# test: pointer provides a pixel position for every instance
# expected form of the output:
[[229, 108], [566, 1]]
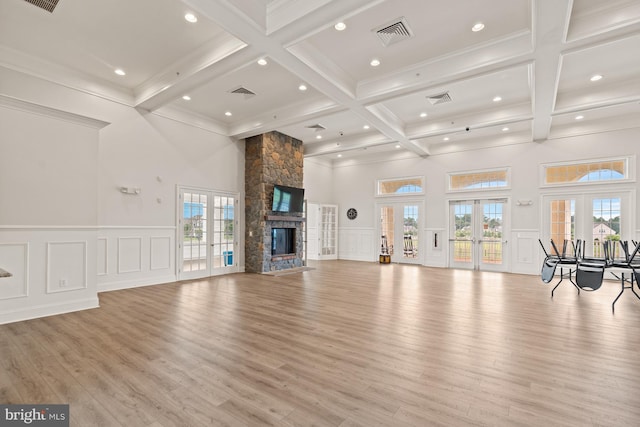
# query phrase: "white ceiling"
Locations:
[[537, 55]]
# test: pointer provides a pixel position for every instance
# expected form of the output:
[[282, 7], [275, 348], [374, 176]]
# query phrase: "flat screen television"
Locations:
[[287, 199]]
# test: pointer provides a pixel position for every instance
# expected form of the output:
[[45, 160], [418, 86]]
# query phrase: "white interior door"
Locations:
[[400, 231], [478, 238], [207, 233], [327, 232]]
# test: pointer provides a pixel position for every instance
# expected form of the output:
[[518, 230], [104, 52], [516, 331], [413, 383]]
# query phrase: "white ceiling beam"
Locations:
[[240, 26], [551, 20]]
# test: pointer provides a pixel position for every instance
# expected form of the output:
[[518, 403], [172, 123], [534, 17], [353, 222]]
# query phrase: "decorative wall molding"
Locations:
[[30, 107], [102, 250], [66, 266], [129, 254], [357, 243], [15, 258], [159, 253]]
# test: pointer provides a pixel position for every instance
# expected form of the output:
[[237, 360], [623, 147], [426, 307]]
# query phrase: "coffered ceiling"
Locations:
[[439, 87]]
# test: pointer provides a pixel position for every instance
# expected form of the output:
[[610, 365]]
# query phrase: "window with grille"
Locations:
[[479, 180], [587, 172], [400, 186]]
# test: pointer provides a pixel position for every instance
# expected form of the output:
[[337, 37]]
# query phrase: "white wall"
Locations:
[[48, 211], [66, 230], [354, 186], [318, 181]]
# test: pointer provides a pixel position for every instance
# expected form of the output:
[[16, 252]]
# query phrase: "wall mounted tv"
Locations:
[[287, 199]]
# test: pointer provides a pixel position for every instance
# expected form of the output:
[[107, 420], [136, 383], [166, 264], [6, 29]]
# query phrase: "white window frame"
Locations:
[[418, 193], [629, 162], [450, 175]]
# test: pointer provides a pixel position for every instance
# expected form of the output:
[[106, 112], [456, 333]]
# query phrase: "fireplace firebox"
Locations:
[[283, 241]]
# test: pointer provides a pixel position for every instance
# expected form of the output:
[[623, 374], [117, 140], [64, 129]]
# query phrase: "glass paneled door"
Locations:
[[400, 231], [477, 235], [207, 236]]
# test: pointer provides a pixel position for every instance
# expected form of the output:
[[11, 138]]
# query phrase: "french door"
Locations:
[[207, 233], [593, 218], [322, 226], [478, 234], [400, 231]]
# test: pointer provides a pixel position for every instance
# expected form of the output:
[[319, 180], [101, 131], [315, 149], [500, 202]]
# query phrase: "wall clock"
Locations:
[[352, 213]]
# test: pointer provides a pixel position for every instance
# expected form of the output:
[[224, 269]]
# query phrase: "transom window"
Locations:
[[605, 170], [479, 180], [400, 186]]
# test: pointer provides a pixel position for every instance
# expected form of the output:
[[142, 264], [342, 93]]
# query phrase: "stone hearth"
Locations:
[[271, 158]]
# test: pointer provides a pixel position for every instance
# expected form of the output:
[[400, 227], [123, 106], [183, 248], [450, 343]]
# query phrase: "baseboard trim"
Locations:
[[48, 310]]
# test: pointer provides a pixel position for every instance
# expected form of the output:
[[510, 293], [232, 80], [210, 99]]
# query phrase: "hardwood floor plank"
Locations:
[[345, 344]]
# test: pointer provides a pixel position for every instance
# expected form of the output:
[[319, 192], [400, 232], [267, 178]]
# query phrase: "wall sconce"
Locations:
[[130, 190], [524, 202]]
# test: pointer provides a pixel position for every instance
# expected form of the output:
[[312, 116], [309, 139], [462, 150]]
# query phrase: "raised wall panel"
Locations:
[[14, 258], [129, 254], [66, 266], [102, 250], [160, 253], [356, 244]]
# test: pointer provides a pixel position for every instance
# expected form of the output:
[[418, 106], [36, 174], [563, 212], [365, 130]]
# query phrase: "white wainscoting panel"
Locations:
[[137, 256], [357, 244], [66, 266], [102, 256], [53, 267], [129, 254], [436, 247], [14, 258], [160, 253], [525, 252]]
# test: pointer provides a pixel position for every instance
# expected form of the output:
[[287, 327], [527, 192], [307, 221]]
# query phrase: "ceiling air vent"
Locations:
[[47, 5], [317, 127], [243, 91], [393, 32], [440, 98]]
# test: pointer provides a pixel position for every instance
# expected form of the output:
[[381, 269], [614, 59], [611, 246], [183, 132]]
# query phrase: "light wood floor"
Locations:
[[346, 344]]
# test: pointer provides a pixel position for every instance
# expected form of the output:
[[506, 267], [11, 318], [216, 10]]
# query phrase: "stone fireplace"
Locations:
[[271, 158]]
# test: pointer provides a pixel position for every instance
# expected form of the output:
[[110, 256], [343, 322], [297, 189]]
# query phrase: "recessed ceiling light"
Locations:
[[318, 136], [262, 61], [365, 127], [340, 26], [497, 99], [339, 155], [374, 62], [446, 138], [186, 98], [397, 145], [302, 87], [228, 114], [423, 115], [579, 117], [477, 27], [504, 129], [596, 77], [120, 72], [190, 17]]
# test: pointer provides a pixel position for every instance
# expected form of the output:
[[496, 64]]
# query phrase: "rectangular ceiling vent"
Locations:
[[393, 32], [246, 93], [317, 127], [47, 5], [440, 98]]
